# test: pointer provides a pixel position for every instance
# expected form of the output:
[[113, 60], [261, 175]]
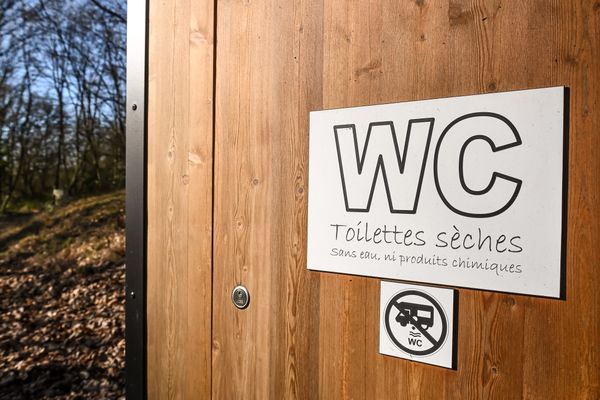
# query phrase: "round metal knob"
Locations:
[[240, 297]]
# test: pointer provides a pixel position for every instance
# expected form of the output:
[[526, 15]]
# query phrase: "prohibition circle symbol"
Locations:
[[416, 322]]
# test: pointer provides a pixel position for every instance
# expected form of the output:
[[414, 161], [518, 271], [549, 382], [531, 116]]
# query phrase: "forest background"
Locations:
[[62, 174], [62, 99]]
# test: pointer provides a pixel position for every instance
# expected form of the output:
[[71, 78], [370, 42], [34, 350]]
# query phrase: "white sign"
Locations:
[[464, 191], [417, 323]]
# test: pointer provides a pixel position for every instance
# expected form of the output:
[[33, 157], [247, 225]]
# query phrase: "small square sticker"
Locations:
[[417, 323]]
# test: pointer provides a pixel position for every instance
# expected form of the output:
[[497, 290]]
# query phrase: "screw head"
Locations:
[[134, 107]]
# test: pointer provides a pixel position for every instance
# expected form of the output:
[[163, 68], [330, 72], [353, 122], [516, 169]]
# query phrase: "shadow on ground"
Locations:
[[62, 300]]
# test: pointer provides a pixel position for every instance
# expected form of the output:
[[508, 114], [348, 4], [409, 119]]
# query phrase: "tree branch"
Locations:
[[109, 11]]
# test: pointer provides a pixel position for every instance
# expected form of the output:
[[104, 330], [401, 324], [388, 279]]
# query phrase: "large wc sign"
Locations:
[[464, 191]]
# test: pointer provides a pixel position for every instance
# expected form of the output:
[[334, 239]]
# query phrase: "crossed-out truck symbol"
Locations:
[[416, 314]]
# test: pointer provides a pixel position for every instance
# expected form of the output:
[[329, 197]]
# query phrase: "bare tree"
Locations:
[[62, 97]]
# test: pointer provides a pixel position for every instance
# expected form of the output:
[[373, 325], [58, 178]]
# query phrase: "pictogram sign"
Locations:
[[417, 323]]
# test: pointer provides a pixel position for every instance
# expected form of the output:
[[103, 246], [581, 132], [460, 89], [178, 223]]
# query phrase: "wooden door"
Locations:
[[231, 84]]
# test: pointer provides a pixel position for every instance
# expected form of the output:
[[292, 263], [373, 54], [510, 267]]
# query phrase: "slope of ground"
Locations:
[[62, 301]]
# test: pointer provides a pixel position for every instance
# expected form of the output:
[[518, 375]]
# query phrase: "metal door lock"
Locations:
[[240, 297]]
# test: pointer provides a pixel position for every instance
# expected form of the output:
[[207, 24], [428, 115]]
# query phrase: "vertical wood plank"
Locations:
[[566, 351], [180, 140], [268, 73]]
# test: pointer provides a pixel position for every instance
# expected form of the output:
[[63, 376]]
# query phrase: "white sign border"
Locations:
[[447, 355], [561, 294]]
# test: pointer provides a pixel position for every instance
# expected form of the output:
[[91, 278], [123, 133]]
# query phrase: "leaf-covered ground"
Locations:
[[62, 317]]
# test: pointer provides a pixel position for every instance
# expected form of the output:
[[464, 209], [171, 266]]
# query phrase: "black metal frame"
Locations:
[[136, 200]]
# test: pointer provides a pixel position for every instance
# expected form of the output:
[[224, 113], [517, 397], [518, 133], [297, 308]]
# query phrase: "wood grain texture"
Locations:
[[180, 147], [265, 75], [315, 335]]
